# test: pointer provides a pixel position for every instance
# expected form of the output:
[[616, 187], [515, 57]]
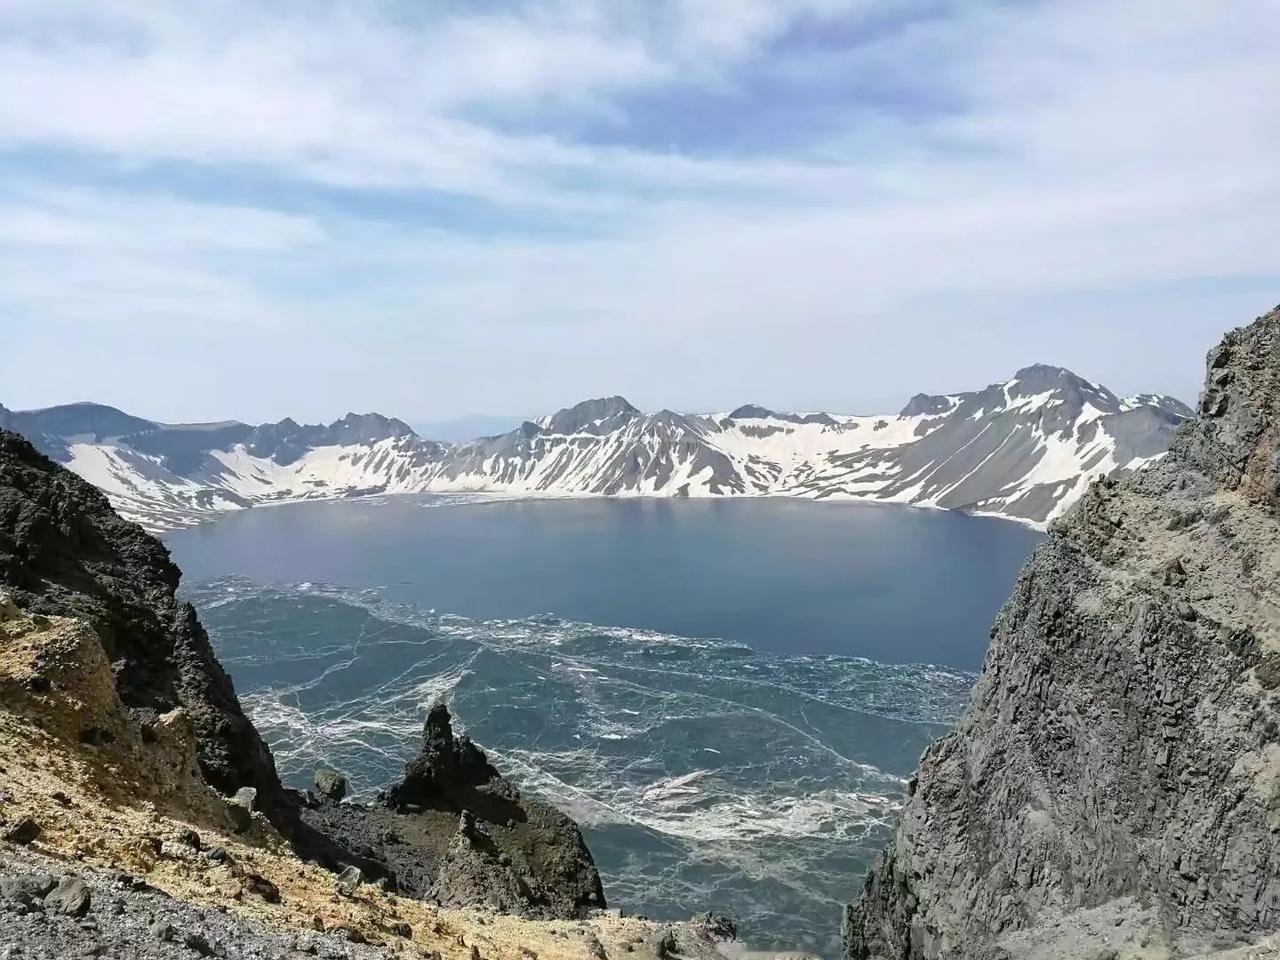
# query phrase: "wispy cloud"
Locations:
[[830, 202]]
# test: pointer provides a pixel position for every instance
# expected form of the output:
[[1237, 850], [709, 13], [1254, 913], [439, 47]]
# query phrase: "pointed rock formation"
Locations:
[[448, 770], [1114, 787]]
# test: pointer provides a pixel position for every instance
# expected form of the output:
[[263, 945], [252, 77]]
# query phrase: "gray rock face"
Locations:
[[286, 441], [70, 897], [330, 784], [1114, 787]]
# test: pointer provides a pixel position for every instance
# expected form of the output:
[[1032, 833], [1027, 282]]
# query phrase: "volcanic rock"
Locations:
[[1114, 787]]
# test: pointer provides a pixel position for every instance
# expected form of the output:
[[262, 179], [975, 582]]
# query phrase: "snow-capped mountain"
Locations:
[[1024, 449]]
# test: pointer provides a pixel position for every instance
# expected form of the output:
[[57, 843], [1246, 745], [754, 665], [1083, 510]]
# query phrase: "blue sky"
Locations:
[[257, 209]]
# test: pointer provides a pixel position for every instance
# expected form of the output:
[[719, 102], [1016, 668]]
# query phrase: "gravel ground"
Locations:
[[48, 912]]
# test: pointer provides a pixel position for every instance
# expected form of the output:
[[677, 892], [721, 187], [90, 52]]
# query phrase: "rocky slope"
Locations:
[[1114, 789], [116, 846], [123, 748], [1023, 449], [63, 550]]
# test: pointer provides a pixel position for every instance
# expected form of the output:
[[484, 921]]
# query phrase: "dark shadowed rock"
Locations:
[[24, 831], [64, 551], [455, 830], [447, 770], [260, 887], [1114, 787], [26, 889]]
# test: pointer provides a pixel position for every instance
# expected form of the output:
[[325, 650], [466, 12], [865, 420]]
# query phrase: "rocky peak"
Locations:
[[74, 419], [1113, 788], [506, 851], [445, 768], [1236, 437], [1039, 374], [751, 411], [923, 404], [367, 428], [592, 416], [1067, 387]]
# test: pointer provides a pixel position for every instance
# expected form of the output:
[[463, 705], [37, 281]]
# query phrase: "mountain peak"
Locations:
[[1234, 438], [1041, 378], [368, 427], [1044, 370], [590, 416], [607, 406], [926, 404], [1066, 386], [74, 419]]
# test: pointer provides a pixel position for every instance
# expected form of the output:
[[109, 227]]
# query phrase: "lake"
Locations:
[[727, 694]]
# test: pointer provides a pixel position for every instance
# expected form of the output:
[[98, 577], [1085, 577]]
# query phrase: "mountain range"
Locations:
[[1023, 449]]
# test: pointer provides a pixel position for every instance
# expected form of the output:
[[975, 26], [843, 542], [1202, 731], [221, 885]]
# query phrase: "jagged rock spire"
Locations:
[[1236, 437]]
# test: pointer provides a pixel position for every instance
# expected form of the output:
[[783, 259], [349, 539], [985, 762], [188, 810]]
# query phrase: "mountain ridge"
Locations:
[[1021, 449]]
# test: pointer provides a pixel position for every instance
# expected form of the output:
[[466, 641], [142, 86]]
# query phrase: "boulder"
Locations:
[[23, 832], [348, 880], [71, 898], [330, 785]]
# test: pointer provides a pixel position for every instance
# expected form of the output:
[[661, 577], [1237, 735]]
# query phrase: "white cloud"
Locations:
[[1085, 147]]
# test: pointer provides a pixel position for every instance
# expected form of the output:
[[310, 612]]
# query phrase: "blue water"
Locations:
[[728, 695]]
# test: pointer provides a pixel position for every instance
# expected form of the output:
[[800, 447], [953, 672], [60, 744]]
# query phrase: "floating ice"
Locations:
[[756, 785]]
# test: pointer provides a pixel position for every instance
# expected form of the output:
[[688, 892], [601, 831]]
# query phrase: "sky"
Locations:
[[253, 209]]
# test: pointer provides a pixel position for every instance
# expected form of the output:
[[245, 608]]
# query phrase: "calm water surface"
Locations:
[[728, 695], [783, 576]]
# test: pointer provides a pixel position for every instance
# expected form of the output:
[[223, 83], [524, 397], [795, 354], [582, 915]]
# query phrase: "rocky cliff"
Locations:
[[1114, 788], [115, 846], [122, 743], [64, 551]]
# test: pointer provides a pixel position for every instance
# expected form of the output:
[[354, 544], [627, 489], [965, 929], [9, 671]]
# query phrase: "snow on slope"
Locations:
[[1024, 449]]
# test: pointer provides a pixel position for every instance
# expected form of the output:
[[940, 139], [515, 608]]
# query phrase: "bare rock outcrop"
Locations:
[[64, 551], [1114, 788], [457, 832], [96, 650]]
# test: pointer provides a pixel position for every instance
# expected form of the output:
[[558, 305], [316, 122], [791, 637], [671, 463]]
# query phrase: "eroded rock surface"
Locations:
[[1114, 787], [97, 653], [457, 832], [64, 551]]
